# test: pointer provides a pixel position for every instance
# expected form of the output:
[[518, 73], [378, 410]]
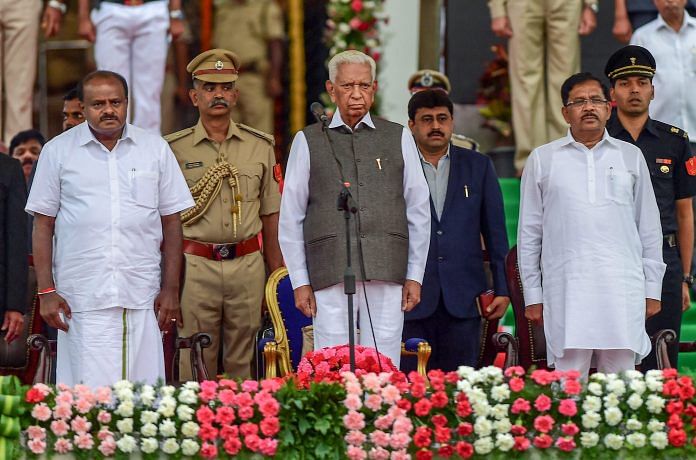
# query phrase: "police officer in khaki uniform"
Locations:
[[254, 29], [229, 168], [432, 79]]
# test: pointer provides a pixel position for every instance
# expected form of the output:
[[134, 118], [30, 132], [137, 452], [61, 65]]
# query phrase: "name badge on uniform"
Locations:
[[663, 161], [193, 164], [691, 166]]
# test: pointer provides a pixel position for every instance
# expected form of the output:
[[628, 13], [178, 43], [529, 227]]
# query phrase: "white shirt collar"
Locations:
[[569, 139], [85, 134], [337, 121], [688, 20], [446, 155]]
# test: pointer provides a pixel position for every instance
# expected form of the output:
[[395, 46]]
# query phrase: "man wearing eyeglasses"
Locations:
[[673, 173], [589, 239]]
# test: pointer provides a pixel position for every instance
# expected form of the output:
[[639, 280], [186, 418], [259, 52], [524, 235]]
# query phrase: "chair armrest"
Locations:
[[660, 340], [196, 343], [47, 353], [420, 348], [270, 356], [506, 342]]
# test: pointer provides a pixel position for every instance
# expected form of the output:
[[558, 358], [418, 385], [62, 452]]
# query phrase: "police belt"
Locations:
[[670, 240], [222, 251]]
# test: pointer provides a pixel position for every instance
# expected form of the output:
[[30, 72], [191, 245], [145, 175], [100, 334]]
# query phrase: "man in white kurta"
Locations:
[[589, 240], [106, 197]]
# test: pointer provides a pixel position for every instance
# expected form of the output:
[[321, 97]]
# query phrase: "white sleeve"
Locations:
[[647, 216], [293, 210], [417, 196], [44, 196], [530, 232], [174, 194]]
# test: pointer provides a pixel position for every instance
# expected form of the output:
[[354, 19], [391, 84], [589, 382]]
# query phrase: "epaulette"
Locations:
[[671, 129], [257, 133], [178, 135]]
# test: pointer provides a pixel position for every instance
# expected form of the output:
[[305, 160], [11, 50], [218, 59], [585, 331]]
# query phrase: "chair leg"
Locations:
[[270, 355], [424, 351]]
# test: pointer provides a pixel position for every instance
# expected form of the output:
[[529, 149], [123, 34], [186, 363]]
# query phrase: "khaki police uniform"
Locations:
[[432, 79], [246, 27], [233, 185]]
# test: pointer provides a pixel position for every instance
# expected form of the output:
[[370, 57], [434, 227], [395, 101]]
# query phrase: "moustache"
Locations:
[[108, 117], [590, 115], [436, 133], [27, 162], [219, 102]]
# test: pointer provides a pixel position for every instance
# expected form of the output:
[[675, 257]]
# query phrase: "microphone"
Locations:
[[318, 112]]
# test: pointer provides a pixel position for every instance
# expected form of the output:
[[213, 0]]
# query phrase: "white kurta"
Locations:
[[590, 244]]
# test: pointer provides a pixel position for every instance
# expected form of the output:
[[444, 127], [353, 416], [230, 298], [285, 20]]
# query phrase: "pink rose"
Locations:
[[542, 377], [107, 447], [572, 387], [371, 382], [64, 397], [379, 453], [36, 432], [520, 405], [356, 453], [521, 444], [207, 432], [41, 412], [224, 415], [402, 425], [269, 407], [570, 429], [380, 438], [356, 5], [37, 446], [568, 407], [248, 429], [83, 441], [268, 447], [104, 433], [226, 397], [243, 399], [205, 415], [400, 455], [543, 441], [229, 431], [232, 446], [391, 394], [83, 405], [209, 450], [373, 402], [245, 412], [542, 403], [399, 441], [384, 422], [59, 427], [517, 371], [566, 444], [80, 424], [209, 385], [354, 420], [353, 402], [353, 388], [252, 442], [62, 446], [104, 417], [543, 423], [355, 23], [270, 426], [355, 438], [516, 384], [573, 375], [231, 384], [63, 411], [250, 386], [103, 395], [271, 385]]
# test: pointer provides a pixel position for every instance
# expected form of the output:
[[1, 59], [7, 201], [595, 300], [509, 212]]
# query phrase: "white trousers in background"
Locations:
[[132, 41], [104, 346], [331, 321], [606, 361]]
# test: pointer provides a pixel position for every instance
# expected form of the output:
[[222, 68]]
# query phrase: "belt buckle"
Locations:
[[133, 2], [223, 251]]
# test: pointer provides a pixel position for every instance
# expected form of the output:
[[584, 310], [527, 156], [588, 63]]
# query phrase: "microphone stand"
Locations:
[[346, 204]]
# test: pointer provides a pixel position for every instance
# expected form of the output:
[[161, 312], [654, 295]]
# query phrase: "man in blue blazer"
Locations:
[[466, 204]]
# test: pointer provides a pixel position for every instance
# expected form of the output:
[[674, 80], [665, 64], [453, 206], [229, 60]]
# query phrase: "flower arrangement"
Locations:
[[493, 95], [328, 364]]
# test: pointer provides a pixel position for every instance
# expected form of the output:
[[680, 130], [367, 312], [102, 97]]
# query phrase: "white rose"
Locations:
[[616, 386], [125, 425], [184, 413], [655, 404], [124, 394], [148, 416], [589, 438], [188, 397], [170, 446], [167, 390], [190, 430], [492, 374], [591, 419], [483, 445], [658, 440], [504, 441], [633, 375], [655, 425], [655, 374], [463, 385], [192, 385], [149, 430], [167, 407], [483, 426], [125, 409], [344, 28], [476, 395], [635, 401], [500, 411], [465, 372], [149, 445], [126, 444], [341, 44], [502, 425], [123, 385], [598, 377], [638, 386], [636, 439], [595, 388], [481, 409], [614, 441], [592, 404], [611, 400], [167, 428], [654, 385], [371, 43], [189, 447], [613, 416], [368, 5], [633, 424], [500, 393]]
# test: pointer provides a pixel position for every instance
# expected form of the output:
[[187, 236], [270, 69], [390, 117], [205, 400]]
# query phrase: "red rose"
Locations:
[[208, 450], [543, 441], [676, 438], [437, 379], [421, 438], [521, 444], [670, 388], [248, 429], [439, 399], [543, 423], [566, 444], [418, 389], [34, 396], [516, 384], [518, 430], [439, 420], [232, 446], [669, 373], [404, 404], [568, 407], [464, 449], [465, 429], [207, 432], [422, 407], [572, 387], [442, 434], [229, 431], [445, 451], [424, 455], [224, 415], [270, 426], [675, 422], [675, 407], [514, 371], [356, 5], [463, 409], [686, 392], [205, 415], [451, 377], [252, 442], [570, 429]]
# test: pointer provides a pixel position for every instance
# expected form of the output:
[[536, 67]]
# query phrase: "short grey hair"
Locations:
[[351, 57]]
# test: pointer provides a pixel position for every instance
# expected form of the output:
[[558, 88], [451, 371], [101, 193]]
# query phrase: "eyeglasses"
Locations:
[[579, 103]]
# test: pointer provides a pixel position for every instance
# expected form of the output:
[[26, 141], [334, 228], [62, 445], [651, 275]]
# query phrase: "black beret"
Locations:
[[631, 60]]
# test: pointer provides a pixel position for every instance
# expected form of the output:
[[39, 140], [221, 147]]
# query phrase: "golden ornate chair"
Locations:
[[283, 352]]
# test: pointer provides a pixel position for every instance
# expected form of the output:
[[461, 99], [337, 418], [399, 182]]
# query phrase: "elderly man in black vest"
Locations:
[[390, 232]]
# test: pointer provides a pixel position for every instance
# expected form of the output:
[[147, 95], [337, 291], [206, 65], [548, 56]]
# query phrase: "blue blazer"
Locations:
[[454, 267]]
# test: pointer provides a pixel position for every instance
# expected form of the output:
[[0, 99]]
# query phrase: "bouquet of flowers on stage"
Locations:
[[327, 364]]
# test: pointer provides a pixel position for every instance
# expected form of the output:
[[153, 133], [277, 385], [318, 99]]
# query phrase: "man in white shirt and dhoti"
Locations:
[[106, 197], [589, 239]]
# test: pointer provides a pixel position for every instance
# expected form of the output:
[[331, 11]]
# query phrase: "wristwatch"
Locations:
[[593, 5], [60, 6], [688, 279], [176, 14]]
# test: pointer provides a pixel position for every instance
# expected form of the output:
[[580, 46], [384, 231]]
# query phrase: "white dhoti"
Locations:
[[104, 346], [331, 321]]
